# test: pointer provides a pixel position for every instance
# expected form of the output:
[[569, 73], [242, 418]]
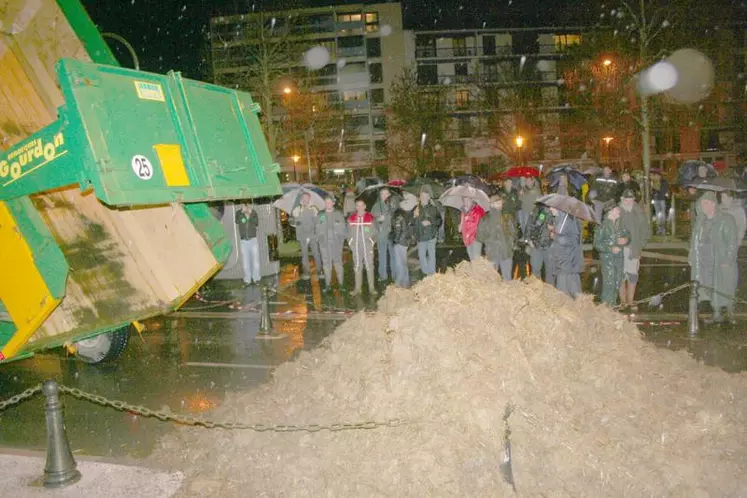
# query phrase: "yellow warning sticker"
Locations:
[[147, 90]]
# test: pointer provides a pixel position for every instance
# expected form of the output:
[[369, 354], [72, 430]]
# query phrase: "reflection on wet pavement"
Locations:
[[187, 363]]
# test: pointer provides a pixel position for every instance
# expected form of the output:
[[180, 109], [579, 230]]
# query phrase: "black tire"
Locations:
[[103, 347]]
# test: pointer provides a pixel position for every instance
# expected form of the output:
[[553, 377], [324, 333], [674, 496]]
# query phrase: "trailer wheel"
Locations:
[[103, 347]]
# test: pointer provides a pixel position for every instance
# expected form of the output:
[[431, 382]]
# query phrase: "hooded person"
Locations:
[[610, 240], [303, 218], [637, 224], [566, 252], [361, 239], [497, 232], [330, 232], [383, 211], [428, 221], [713, 256]]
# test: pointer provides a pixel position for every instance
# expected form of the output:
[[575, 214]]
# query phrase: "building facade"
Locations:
[[365, 46], [503, 90]]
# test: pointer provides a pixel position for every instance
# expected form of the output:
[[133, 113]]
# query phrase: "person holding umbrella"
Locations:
[[330, 231], [610, 240], [635, 221], [303, 218], [361, 237], [566, 252], [497, 231], [383, 210], [470, 218], [713, 256], [427, 218]]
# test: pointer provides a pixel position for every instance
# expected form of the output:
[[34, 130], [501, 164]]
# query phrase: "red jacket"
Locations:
[[368, 219], [469, 224]]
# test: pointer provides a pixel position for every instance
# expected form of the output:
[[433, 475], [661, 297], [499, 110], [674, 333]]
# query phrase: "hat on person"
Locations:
[[426, 189], [709, 196], [628, 194]]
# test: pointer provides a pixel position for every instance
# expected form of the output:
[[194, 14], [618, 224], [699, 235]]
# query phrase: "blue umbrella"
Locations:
[[575, 177]]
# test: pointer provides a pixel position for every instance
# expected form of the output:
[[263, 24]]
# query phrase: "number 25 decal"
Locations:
[[142, 167]]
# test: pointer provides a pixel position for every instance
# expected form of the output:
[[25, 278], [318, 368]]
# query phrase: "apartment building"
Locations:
[[500, 85], [366, 50]]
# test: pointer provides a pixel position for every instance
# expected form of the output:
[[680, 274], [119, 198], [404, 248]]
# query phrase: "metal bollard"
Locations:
[[692, 311], [60, 469], [265, 324]]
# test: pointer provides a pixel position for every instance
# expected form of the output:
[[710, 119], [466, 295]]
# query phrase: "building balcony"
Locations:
[[351, 51], [431, 52]]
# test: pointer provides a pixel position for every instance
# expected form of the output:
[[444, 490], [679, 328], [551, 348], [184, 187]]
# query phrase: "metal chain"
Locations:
[[721, 294], [231, 425], [648, 299], [14, 400]]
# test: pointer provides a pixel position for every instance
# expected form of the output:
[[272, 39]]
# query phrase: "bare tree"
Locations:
[[418, 117]]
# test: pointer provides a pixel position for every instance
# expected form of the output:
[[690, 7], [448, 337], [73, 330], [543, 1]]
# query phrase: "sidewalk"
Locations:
[[21, 475]]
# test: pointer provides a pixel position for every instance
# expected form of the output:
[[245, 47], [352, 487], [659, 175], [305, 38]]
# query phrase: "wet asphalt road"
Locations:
[[187, 364]]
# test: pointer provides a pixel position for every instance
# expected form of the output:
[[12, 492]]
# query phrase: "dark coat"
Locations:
[[431, 213]]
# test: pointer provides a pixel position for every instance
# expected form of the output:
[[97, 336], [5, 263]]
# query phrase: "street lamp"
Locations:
[[287, 90], [295, 158], [607, 141], [607, 62], [520, 145]]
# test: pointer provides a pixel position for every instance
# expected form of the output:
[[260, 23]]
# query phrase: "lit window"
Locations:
[[349, 18], [372, 17], [462, 99], [564, 41]]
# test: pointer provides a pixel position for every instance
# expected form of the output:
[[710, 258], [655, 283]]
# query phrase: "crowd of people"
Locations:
[[514, 228]]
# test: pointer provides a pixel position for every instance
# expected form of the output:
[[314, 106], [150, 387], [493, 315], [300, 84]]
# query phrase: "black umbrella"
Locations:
[[722, 183], [371, 194], [470, 181], [439, 176], [688, 172], [414, 185], [575, 177], [363, 183]]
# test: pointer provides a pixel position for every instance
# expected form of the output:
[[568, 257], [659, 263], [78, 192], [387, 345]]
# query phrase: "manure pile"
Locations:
[[598, 411]]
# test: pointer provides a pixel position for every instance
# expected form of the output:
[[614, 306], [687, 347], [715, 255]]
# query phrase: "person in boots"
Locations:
[[497, 232], [610, 240], [713, 256], [361, 237], [635, 221], [427, 219], [331, 231], [303, 218]]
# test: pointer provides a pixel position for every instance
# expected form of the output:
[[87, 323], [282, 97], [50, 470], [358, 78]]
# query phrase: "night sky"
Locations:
[[172, 34]]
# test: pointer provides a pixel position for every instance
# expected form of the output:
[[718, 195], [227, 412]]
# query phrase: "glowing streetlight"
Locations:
[[287, 90], [607, 140], [520, 145], [296, 159], [519, 142], [607, 62]]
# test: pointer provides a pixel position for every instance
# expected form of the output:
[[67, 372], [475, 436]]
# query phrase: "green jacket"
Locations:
[[605, 239], [497, 231], [713, 257], [639, 228]]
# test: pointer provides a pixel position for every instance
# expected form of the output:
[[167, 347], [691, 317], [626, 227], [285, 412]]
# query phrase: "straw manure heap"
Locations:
[[598, 411]]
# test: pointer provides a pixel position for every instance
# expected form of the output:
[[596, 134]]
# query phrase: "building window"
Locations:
[[427, 74], [461, 69], [562, 42], [379, 124], [373, 47], [377, 96], [349, 17], [376, 72], [462, 99], [465, 127], [357, 125], [372, 22], [351, 46], [460, 46], [354, 95], [380, 149], [488, 45]]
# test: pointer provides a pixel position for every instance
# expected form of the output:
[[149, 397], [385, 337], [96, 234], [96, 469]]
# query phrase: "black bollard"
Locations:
[[692, 311], [60, 469], [265, 324]]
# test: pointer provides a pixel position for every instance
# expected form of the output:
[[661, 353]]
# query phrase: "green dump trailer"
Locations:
[[104, 177]]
